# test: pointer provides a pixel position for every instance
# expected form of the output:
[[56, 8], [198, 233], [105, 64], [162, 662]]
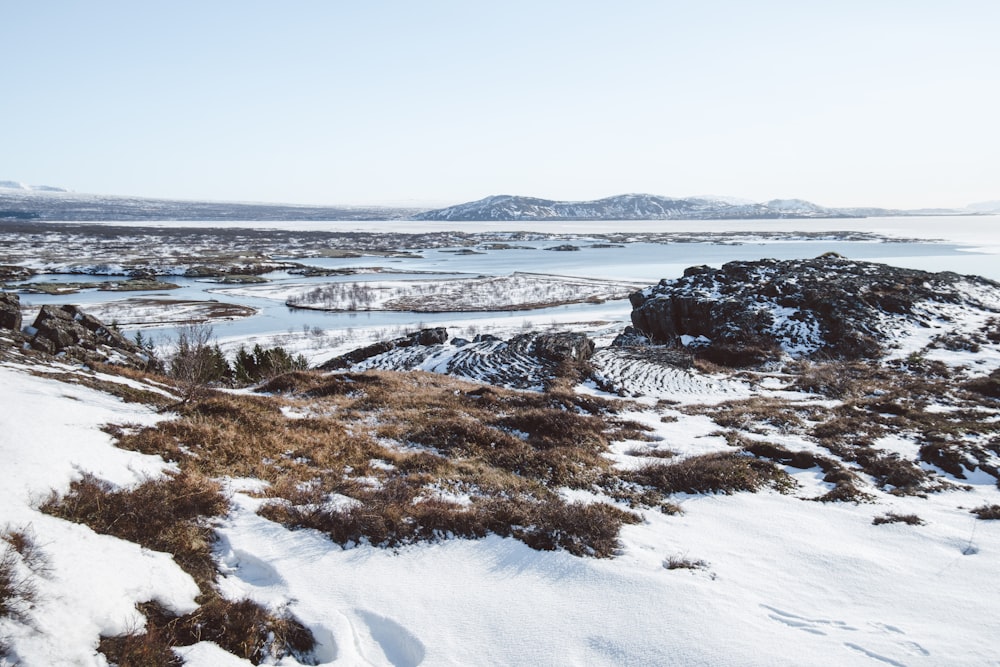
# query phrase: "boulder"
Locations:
[[564, 346], [69, 331], [10, 311], [424, 337], [749, 312]]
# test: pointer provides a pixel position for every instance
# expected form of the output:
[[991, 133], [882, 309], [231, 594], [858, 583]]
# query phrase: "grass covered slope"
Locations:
[[411, 518]]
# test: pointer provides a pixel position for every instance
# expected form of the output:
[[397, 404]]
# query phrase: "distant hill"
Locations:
[[22, 202], [649, 207], [43, 202]]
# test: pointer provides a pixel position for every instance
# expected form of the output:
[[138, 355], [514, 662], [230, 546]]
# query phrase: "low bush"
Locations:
[[892, 517], [21, 559], [721, 472], [684, 563], [243, 628], [988, 512], [16, 589], [395, 515], [160, 514], [753, 413]]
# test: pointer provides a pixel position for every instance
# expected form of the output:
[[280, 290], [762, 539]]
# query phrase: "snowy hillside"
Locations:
[[644, 207], [21, 202], [633, 507]]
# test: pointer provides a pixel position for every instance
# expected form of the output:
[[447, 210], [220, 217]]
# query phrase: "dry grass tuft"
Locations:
[[892, 517], [242, 628], [161, 514], [679, 562], [988, 512], [21, 559], [394, 515], [721, 472], [388, 444]]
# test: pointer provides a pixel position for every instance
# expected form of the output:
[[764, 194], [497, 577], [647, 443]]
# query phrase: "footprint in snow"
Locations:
[[881, 642], [400, 647]]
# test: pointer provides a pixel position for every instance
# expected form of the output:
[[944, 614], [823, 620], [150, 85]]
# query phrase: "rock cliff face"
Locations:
[[68, 331], [749, 312], [10, 311]]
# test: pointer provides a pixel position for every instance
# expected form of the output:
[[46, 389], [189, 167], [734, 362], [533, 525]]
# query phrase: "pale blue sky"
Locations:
[[876, 102]]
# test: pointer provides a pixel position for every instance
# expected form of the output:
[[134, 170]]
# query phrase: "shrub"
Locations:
[[988, 512], [16, 590], [161, 514], [243, 628], [684, 563], [892, 517], [721, 472], [393, 515], [845, 492], [261, 364], [20, 559], [195, 362]]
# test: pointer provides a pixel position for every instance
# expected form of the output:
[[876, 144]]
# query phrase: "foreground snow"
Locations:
[[88, 584], [782, 580]]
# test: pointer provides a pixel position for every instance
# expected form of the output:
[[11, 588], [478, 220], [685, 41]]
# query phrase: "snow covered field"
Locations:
[[764, 578], [778, 579]]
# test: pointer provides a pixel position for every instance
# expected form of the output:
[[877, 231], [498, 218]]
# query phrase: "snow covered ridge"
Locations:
[[20, 202], [16, 185], [645, 207], [749, 312], [823, 514]]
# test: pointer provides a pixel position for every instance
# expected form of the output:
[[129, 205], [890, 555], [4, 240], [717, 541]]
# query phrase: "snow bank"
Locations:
[[49, 435]]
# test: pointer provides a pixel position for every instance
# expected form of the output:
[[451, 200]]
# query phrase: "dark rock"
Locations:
[[69, 331], [15, 272], [435, 336], [631, 337], [564, 346], [10, 311], [423, 337], [753, 311]]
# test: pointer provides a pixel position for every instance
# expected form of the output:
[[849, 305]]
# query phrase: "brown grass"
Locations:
[[21, 559], [892, 517], [757, 414], [393, 515], [684, 563], [988, 512], [170, 515], [242, 628], [720, 472], [410, 435], [162, 514]]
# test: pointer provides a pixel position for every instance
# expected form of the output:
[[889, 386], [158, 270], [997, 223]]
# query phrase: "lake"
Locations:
[[961, 244]]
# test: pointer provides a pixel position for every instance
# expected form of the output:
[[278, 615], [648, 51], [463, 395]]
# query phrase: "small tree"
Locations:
[[196, 362], [261, 364]]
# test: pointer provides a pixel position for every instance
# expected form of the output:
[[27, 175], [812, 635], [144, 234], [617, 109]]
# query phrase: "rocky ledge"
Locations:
[[749, 312], [67, 331]]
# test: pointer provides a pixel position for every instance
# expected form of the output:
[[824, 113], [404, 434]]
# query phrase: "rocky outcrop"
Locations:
[[68, 331], [10, 311], [14, 272], [424, 337], [748, 312], [564, 346]]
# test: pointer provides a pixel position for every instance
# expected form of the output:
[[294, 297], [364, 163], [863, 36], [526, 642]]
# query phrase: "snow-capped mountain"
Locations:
[[17, 185], [39, 202], [638, 207]]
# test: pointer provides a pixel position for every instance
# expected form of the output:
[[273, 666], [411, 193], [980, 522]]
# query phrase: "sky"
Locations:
[[852, 103]]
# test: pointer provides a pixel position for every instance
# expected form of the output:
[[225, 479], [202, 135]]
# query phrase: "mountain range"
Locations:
[[39, 202], [653, 207]]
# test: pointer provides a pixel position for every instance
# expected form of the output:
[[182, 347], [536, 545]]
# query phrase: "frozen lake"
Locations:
[[960, 244]]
